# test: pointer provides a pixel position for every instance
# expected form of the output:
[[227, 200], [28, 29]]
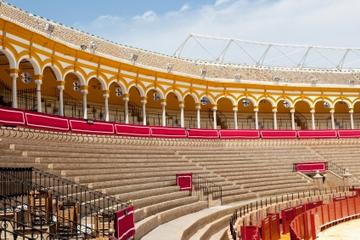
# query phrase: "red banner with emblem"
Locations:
[[124, 223]]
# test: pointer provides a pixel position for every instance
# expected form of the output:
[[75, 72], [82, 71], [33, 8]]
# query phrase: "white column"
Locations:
[[38, 95], [61, 99], [85, 110], [214, 108], [163, 107], [292, 112], [256, 111], [332, 112], [312, 111], [126, 108], [275, 117], [235, 110], [182, 115], [14, 77], [351, 113], [198, 115], [106, 105], [143, 102]]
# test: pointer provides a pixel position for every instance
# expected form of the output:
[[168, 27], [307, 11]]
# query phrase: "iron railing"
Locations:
[[69, 208], [206, 189]]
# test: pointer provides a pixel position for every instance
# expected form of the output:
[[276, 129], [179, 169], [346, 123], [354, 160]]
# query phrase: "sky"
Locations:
[[162, 25]]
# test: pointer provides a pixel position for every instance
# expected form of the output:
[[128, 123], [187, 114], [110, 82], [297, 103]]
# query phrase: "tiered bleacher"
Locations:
[[143, 169]]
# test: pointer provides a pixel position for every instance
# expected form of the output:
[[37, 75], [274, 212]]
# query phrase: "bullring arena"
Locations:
[[104, 141]]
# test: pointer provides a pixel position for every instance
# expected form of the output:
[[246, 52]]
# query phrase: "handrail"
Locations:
[[206, 188]]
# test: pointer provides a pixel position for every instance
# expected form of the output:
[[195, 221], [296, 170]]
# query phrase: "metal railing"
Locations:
[[267, 201], [206, 189], [77, 210]]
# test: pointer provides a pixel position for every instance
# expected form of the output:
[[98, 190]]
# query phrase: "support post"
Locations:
[[332, 115], [274, 110], [38, 83], [235, 110], [163, 107], [256, 111], [198, 116], [126, 108], [351, 113], [292, 112], [214, 108], [312, 111], [106, 105], [182, 114], [143, 102], [84, 92], [61, 99], [14, 77]]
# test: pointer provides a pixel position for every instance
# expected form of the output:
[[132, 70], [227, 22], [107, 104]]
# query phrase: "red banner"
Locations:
[[349, 133], [11, 117], [239, 134], [278, 134], [124, 223], [88, 126], [203, 133], [168, 132], [184, 181], [132, 130], [46, 121], [317, 134], [310, 167]]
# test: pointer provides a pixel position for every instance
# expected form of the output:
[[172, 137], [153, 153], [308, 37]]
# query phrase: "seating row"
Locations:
[[16, 117]]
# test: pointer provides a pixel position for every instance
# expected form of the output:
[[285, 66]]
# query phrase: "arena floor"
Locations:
[[345, 231]]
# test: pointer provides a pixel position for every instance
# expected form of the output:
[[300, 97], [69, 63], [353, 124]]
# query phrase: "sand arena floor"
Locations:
[[344, 231]]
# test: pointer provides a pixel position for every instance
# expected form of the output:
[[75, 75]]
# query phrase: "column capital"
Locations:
[[312, 110], [38, 77], [163, 102], [14, 75], [84, 89], [60, 87], [351, 110], [126, 97], [14, 71], [332, 110], [38, 81], [197, 106], [61, 82], [235, 108], [181, 105], [274, 109], [143, 100], [292, 110], [214, 107], [256, 109], [106, 93]]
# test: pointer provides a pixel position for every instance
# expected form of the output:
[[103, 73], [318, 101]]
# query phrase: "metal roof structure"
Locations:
[[222, 50]]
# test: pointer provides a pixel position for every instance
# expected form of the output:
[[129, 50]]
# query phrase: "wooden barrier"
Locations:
[[306, 225]]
